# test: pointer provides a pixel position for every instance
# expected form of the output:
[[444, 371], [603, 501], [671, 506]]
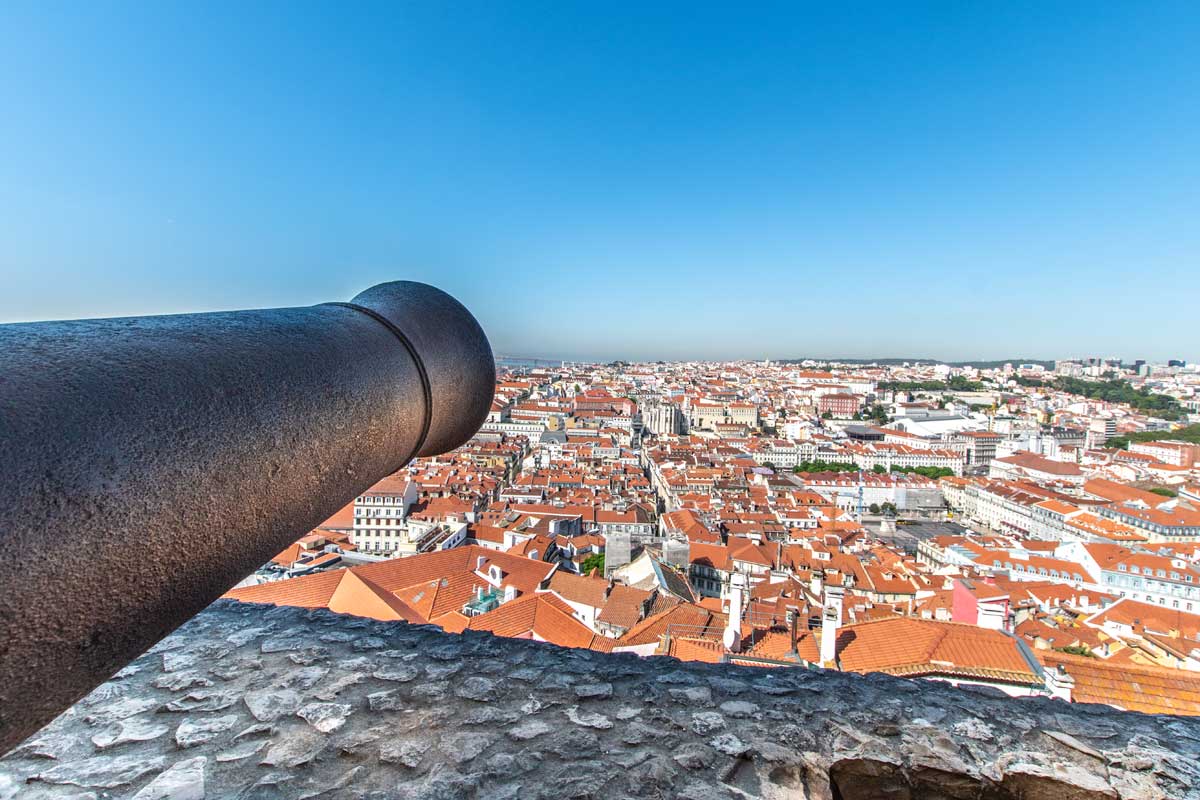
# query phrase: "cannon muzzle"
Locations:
[[148, 464]]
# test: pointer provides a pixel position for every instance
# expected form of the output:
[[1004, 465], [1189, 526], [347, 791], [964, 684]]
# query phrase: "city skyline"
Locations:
[[550, 400], [966, 183], [865, 360]]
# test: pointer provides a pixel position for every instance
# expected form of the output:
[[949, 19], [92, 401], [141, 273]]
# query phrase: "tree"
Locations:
[[889, 508], [827, 415], [593, 562], [933, 473], [1189, 434], [879, 469], [956, 384], [1118, 391], [874, 508], [1164, 491], [1077, 650], [825, 466]]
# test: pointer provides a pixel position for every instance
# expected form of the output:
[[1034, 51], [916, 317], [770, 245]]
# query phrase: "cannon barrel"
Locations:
[[148, 464]]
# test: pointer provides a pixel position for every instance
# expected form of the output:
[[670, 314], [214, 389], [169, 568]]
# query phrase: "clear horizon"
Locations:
[[950, 181]]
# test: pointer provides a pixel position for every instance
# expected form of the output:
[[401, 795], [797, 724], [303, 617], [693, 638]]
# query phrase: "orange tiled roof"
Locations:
[[623, 607], [309, 591], [1139, 616], [1121, 493], [772, 644], [418, 588], [588, 591], [289, 555], [714, 555], [1151, 690], [1033, 461], [684, 618], [540, 616], [343, 519], [910, 646], [695, 649]]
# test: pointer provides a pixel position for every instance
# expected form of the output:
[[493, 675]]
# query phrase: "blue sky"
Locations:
[[954, 180]]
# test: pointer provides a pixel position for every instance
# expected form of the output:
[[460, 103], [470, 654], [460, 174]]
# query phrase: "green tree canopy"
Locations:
[[1189, 434], [825, 466], [929, 472], [1114, 391], [955, 384], [593, 562]]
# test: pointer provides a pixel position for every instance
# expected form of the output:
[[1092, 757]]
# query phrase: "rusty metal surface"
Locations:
[[150, 463]]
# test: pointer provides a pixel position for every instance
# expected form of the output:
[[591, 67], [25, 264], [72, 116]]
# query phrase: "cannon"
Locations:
[[149, 464]]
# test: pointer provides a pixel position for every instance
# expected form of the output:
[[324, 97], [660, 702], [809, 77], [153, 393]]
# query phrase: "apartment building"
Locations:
[[1031, 466], [1175, 453], [839, 404]]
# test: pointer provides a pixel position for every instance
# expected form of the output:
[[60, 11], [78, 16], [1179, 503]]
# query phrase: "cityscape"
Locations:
[[561, 401], [1030, 527]]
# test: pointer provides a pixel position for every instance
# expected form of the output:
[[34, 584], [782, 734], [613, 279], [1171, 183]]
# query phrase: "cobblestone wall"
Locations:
[[254, 702]]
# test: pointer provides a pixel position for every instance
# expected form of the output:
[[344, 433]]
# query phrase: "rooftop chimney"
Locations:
[[1059, 683], [733, 628], [831, 621]]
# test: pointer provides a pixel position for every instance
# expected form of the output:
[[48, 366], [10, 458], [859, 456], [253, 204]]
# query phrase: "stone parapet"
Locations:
[[253, 701]]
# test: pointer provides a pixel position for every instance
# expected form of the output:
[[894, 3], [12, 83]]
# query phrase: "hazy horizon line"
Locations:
[[843, 360]]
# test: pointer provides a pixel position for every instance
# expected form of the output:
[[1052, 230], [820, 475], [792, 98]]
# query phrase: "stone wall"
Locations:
[[255, 702]]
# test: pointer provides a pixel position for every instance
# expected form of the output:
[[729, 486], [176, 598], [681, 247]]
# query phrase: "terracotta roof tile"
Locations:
[[1152, 690], [540, 616], [309, 591], [624, 605], [910, 646], [580, 589]]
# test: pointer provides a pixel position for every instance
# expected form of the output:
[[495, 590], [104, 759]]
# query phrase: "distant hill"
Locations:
[[892, 362]]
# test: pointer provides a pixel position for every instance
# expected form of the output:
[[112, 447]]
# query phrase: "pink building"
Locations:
[[981, 603]]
